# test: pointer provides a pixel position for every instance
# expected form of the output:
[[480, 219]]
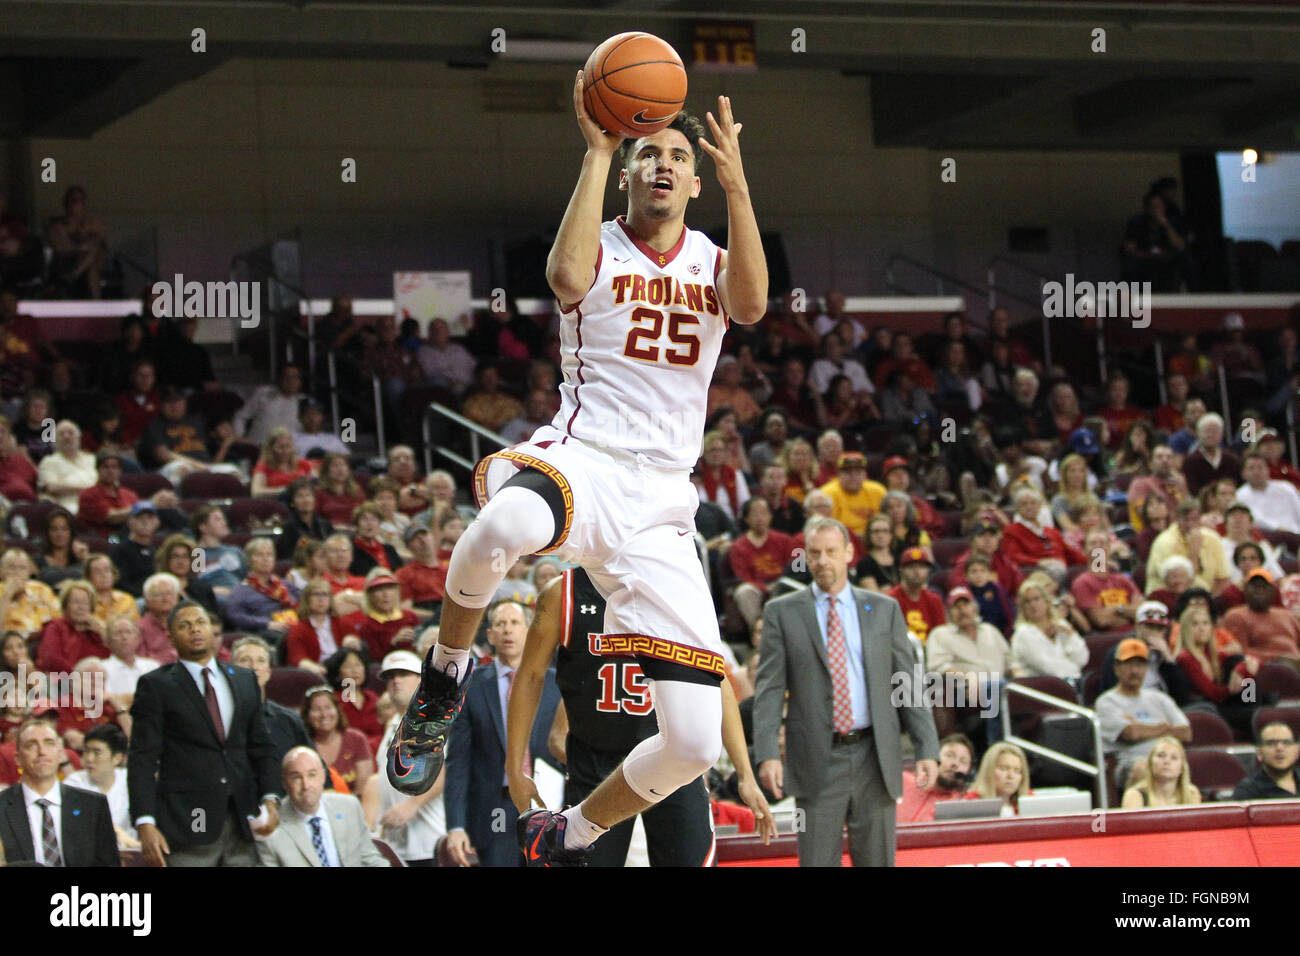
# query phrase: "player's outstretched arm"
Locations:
[[543, 636], [742, 278], [571, 266], [733, 738]]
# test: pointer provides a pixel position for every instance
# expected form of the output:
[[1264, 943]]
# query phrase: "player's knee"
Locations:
[[514, 522], [696, 750]]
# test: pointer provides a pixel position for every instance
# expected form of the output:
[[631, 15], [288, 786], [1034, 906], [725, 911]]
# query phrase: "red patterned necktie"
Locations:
[[528, 755], [837, 650], [214, 710]]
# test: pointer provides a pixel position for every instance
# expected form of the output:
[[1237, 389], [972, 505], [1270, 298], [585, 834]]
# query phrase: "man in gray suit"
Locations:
[[843, 656], [317, 828]]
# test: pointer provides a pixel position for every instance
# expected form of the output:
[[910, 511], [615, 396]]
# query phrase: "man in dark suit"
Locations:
[[42, 821], [200, 754], [480, 814], [843, 656]]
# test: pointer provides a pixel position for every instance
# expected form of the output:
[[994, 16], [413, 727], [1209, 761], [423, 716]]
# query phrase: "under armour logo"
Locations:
[[588, 609]]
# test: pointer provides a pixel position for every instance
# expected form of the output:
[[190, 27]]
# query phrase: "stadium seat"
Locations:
[[228, 638], [1215, 772], [1288, 715], [373, 680], [1091, 687], [951, 523], [288, 686], [34, 515], [206, 484], [387, 852], [1278, 679], [876, 440], [1099, 646], [146, 484], [243, 510], [1208, 729], [948, 550]]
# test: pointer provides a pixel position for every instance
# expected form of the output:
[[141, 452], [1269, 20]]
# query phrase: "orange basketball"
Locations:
[[633, 84]]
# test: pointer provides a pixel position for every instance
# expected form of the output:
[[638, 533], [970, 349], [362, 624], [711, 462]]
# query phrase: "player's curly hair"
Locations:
[[686, 123]]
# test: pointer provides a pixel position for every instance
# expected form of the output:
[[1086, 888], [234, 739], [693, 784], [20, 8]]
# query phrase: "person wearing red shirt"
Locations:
[[279, 465], [338, 493], [984, 541], [382, 624], [317, 634], [77, 634], [922, 609], [1117, 412], [1169, 416], [1270, 444], [902, 357], [956, 757], [140, 404], [346, 673], [830, 446], [17, 473], [1028, 544], [104, 507], [897, 476], [338, 558], [424, 577], [1264, 631], [368, 549], [757, 558]]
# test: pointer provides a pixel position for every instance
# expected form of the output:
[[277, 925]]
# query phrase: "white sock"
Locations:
[[446, 658], [580, 832]]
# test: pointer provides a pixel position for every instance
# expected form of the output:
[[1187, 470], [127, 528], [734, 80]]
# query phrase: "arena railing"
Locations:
[[476, 431], [1095, 770]]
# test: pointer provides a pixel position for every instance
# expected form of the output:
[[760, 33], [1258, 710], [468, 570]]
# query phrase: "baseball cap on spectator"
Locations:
[[412, 530], [959, 594], [1083, 441], [915, 556], [399, 661], [1268, 434], [142, 506], [1130, 648], [381, 580], [1259, 573], [1153, 612], [852, 459], [898, 461]]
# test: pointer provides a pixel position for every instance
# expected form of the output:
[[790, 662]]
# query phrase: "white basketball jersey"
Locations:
[[639, 350]]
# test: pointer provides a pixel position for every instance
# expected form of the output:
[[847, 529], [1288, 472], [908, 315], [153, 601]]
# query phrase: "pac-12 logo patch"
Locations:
[[694, 269]]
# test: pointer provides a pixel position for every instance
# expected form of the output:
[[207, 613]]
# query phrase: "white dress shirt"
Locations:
[[327, 835], [36, 818], [848, 613], [118, 797], [225, 695]]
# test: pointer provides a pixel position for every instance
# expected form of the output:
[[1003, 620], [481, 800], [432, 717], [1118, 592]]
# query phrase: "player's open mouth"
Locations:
[[661, 187]]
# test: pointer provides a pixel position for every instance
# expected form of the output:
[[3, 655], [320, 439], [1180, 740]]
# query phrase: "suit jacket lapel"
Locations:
[[493, 696], [72, 820], [16, 814], [296, 826], [815, 629], [190, 691]]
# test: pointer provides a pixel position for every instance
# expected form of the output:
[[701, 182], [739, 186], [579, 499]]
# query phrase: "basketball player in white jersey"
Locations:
[[645, 303]]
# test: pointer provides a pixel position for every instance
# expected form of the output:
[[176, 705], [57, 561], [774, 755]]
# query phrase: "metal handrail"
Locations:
[[475, 432], [942, 277], [1097, 771]]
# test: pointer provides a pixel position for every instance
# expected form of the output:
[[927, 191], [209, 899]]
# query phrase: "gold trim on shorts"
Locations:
[[664, 650], [529, 461]]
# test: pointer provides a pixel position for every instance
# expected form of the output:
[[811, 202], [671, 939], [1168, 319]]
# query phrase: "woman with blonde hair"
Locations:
[[176, 556], [102, 574], [1074, 486], [1167, 781], [74, 635], [800, 464], [1003, 774], [278, 466], [1215, 674], [1043, 643]]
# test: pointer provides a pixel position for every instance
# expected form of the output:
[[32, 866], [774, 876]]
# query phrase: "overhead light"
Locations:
[[546, 51], [1249, 157]]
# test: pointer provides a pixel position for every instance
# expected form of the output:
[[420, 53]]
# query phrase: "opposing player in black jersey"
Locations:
[[609, 709]]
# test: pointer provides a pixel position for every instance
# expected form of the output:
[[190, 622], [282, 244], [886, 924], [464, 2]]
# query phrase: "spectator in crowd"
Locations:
[[1283, 371], [787, 514], [25, 605], [1109, 598], [423, 579], [955, 383], [1156, 517], [1163, 672], [1004, 775], [1240, 530], [183, 759], [303, 521], [184, 363], [21, 252], [1028, 543], [1246, 557], [262, 603], [161, 593], [346, 672], [445, 364], [134, 556], [1118, 413], [536, 413], [124, 667], [993, 601], [897, 476], [1134, 455], [877, 569], [504, 332], [64, 473], [308, 563], [997, 374], [725, 422], [139, 403], [1276, 777], [176, 557], [103, 757], [973, 651], [1167, 781], [80, 245], [1076, 483], [835, 361], [338, 493], [368, 551], [1215, 499], [1153, 247], [383, 623], [344, 750], [224, 565], [922, 609], [278, 466], [1238, 358], [903, 400], [956, 757], [18, 476], [271, 406], [1028, 414], [1043, 642], [338, 559], [1214, 674], [412, 494], [985, 542], [1274, 504], [476, 757], [830, 446], [1199, 597], [1183, 440], [317, 634], [800, 469], [752, 377], [1000, 331], [855, 497], [1133, 716], [1265, 631], [795, 399], [1270, 444], [1169, 417], [718, 482], [487, 405], [311, 435], [1209, 459], [906, 531], [727, 391], [1065, 414], [756, 559], [383, 494], [174, 442], [902, 357], [74, 635], [776, 439], [104, 506], [83, 833], [1016, 466], [1188, 538], [832, 317], [317, 828], [103, 576]]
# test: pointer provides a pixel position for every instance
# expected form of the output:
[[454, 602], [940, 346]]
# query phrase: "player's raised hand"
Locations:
[[597, 138], [764, 821], [726, 154], [523, 792]]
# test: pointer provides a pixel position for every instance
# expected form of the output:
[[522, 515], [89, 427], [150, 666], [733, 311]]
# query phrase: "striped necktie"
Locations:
[[318, 841], [49, 838]]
